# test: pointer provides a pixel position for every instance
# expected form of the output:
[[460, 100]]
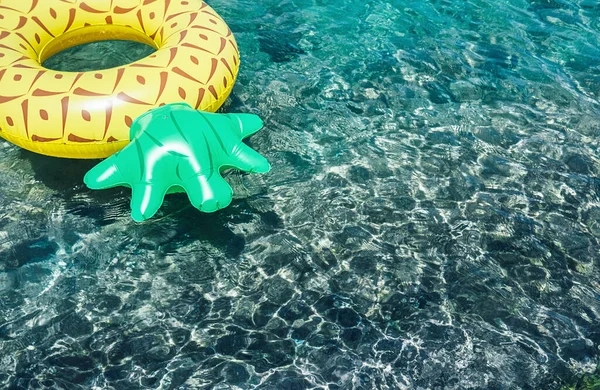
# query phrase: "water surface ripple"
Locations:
[[432, 219]]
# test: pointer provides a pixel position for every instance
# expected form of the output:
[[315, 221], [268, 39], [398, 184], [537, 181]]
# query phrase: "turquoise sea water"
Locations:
[[431, 221]]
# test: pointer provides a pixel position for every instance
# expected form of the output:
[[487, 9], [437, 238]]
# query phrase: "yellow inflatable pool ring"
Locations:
[[88, 114]]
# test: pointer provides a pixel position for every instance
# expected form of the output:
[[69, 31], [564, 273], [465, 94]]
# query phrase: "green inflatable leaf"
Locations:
[[175, 148]]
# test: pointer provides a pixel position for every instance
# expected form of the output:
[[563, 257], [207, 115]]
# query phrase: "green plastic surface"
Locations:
[[175, 148]]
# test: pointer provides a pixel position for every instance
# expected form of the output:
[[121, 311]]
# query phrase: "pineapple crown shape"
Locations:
[[175, 148]]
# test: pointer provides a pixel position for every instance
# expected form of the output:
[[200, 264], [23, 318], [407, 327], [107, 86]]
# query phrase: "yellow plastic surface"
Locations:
[[88, 114]]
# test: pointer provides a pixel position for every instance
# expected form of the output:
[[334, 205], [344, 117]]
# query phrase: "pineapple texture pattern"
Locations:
[[88, 114]]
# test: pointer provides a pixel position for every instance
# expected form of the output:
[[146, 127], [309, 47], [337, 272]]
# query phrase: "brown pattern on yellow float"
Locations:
[[88, 114]]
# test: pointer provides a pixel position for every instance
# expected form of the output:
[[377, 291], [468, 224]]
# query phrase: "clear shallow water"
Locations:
[[431, 220]]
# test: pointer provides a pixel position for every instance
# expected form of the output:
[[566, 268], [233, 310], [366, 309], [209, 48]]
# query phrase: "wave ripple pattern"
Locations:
[[431, 221]]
